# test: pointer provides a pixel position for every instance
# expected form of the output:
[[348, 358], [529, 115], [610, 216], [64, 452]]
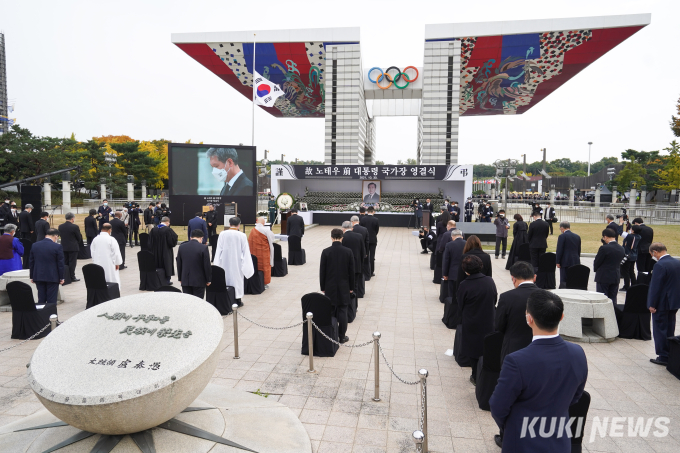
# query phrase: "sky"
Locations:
[[109, 68]]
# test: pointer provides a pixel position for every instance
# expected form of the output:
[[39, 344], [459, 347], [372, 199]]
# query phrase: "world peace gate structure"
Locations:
[[483, 68]]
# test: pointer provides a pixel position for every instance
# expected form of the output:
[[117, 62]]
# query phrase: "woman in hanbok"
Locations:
[[11, 250]]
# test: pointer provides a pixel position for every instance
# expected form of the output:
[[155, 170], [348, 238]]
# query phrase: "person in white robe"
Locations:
[[233, 255], [106, 253]]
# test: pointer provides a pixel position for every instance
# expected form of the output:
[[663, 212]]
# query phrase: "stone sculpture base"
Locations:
[[20, 276], [588, 316], [255, 422]]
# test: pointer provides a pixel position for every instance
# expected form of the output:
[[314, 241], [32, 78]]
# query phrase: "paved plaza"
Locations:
[[335, 404]]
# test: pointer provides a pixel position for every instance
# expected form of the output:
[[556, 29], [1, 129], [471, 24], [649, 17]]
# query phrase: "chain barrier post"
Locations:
[[423, 409], [418, 438], [53, 322], [376, 364], [310, 341], [235, 309]]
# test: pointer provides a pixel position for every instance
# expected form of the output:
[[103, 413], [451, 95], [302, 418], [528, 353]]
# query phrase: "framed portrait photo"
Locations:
[[303, 206], [371, 192]]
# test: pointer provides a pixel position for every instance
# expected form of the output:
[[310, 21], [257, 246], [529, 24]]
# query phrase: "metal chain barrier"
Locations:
[[27, 339], [270, 328], [390, 367], [338, 343]]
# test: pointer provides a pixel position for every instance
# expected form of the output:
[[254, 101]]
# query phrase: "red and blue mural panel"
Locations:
[[297, 67]]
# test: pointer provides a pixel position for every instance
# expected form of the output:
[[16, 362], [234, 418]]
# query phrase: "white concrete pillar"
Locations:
[[493, 193], [571, 197], [102, 192], [143, 192], [643, 196], [615, 193], [597, 197], [131, 191], [47, 190], [552, 196], [633, 197], [66, 196]]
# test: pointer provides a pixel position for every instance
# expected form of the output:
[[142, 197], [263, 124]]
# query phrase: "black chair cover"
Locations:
[[296, 254], [280, 268], [84, 252], [212, 240], [26, 318], [144, 241], [320, 306], [461, 360], [577, 277], [433, 261], [644, 279], [98, 289], [254, 284], [579, 410], [451, 319], [219, 294], [633, 318], [545, 277], [489, 369], [352, 309], [437, 280], [673, 366], [149, 277], [27, 252], [168, 289], [523, 253]]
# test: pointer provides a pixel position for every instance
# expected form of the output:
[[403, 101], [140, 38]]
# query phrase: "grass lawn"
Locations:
[[591, 233]]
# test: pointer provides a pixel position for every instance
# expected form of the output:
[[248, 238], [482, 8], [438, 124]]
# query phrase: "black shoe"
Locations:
[[657, 361], [372, 275], [73, 279], [344, 340], [624, 289], [136, 244], [424, 252], [499, 440], [474, 382], [122, 267]]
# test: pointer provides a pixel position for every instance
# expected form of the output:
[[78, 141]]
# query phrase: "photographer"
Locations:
[[418, 211], [550, 216], [502, 226], [428, 240], [161, 212], [133, 223]]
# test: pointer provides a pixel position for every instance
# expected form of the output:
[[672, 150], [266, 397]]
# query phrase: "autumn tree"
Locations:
[[669, 175], [675, 121]]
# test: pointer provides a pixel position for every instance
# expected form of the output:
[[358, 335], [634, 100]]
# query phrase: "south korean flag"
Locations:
[[266, 92]]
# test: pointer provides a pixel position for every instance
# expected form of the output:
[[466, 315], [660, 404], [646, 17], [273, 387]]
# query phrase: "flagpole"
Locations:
[[254, 93]]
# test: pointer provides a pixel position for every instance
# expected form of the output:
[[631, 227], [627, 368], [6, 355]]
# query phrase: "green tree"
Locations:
[[411, 162], [133, 161], [380, 162], [669, 176], [675, 121]]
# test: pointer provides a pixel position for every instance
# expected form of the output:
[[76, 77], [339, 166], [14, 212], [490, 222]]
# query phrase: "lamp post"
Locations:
[[524, 172], [110, 159], [506, 168], [589, 145]]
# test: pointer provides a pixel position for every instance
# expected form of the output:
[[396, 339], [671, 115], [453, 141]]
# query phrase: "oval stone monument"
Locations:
[[129, 364]]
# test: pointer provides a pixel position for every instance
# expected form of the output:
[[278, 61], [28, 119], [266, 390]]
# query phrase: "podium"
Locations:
[[284, 222], [427, 215], [230, 210]]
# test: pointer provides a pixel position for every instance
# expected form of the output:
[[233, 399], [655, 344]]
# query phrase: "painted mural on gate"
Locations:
[[511, 73], [298, 68]]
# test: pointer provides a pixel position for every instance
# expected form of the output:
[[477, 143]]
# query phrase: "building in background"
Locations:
[[469, 69], [4, 119]]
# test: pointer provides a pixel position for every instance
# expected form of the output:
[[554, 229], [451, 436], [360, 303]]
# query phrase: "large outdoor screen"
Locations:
[[212, 174]]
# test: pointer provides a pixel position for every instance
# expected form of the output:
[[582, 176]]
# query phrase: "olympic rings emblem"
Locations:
[[393, 79]]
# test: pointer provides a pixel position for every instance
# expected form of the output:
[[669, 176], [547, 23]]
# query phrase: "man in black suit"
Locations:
[[71, 240], [26, 222], [211, 220], [5, 211], [295, 225], [13, 217], [550, 216], [538, 383], [538, 238], [418, 210], [644, 261], [428, 240], [193, 265], [455, 212], [224, 162], [372, 224], [568, 251], [355, 242], [663, 299], [363, 231], [162, 241], [427, 206], [103, 212], [453, 253], [511, 310], [149, 217], [41, 226], [607, 265], [612, 225], [336, 277], [487, 213], [133, 223], [46, 267], [119, 233], [362, 216], [91, 227]]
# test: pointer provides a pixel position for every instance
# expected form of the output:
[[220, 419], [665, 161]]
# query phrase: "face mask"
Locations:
[[502, 215], [219, 174], [106, 204], [14, 209]]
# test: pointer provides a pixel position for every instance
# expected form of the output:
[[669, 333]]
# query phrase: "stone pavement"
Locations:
[[335, 404]]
